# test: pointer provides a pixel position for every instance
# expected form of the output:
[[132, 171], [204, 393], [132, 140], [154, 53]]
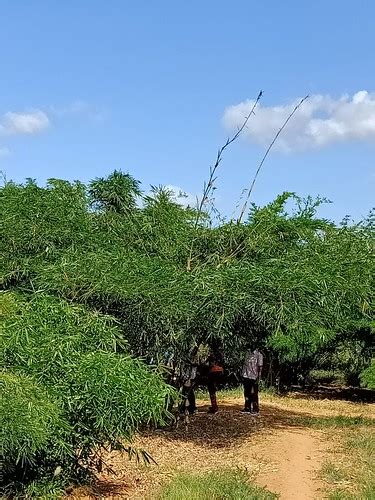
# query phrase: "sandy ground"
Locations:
[[275, 449]]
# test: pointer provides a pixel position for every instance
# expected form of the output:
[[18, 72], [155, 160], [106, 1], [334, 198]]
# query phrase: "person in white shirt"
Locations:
[[251, 374]]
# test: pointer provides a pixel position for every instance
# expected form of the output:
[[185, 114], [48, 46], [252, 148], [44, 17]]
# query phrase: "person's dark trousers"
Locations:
[[251, 394], [189, 395], [212, 385]]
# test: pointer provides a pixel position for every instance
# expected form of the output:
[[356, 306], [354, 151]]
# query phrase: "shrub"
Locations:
[[31, 425], [69, 390], [29, 418], [368, 376]]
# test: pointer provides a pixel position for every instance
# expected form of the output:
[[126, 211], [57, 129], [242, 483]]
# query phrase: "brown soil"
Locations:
[[294, 458], [276, 449]]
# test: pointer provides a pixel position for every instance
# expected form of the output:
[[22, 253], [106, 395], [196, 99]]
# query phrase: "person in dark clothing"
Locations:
[[188, 376], [251, 374], [214, 377], [188, 396]]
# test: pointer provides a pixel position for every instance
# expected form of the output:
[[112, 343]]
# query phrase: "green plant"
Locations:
[[96, 276], [368, 376], [215, 485], [30, 421], [355, 475], [331, 473], [338, 421], [68, 391], [117, 193]]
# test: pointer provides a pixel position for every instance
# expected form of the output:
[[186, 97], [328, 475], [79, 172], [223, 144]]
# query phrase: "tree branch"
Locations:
[[265, 157], [208, 187]]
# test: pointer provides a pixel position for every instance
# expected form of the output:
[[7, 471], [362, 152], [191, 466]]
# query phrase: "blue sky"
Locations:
[[155, 87]]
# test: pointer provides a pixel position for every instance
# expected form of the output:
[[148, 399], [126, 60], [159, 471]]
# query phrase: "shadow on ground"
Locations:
[[225, 432], [353, 394], [98, 490], [229, 425]]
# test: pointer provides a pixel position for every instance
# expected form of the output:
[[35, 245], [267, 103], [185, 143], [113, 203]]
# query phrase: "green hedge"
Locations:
[[68, 389]]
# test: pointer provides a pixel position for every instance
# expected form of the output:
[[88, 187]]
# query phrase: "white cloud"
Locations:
[[79, 108], [320, 121], [32, 122]]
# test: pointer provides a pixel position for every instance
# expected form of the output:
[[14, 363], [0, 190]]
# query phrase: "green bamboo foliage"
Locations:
[[68, 389], [96, 276], [30, 420]]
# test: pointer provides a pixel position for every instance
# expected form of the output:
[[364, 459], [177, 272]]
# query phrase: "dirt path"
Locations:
[[277, 451], [294, 458]]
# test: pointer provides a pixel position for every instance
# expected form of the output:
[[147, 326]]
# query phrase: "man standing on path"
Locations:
[[188, 378], [215, 376], [251, 374]]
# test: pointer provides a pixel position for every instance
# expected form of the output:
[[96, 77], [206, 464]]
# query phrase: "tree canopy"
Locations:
[[95, 277], [288, 279]]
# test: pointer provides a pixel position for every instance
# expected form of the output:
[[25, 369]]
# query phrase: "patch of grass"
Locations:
[[358, 443], [220, 485], [232, 392], [235, 392], [331, 473], [341, 494], [363, 441], [338, 421], [361, 445]]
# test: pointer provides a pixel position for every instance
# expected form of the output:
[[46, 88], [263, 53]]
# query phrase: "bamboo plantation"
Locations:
[[100, 284]]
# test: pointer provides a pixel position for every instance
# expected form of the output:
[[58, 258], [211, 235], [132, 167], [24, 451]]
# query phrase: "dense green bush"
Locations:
[[68, 390], [294, 283], [96, 276], [30, 419]]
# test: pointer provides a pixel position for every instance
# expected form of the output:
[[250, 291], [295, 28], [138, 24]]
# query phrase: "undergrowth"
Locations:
[[353, 476], [229, 485], [339, 421], [236, 392]]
